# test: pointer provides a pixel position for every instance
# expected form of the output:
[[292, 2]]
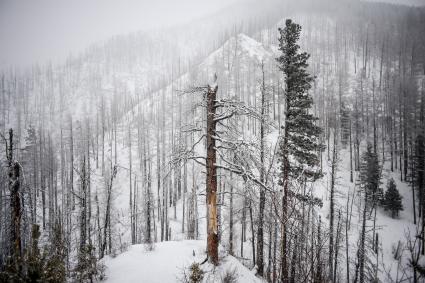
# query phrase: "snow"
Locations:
[[168, 260], [166, 263], [254, 48], [248, 50], [390, 230]]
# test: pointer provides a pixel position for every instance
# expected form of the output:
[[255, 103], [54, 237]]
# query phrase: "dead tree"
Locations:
[[107, 220], [260, 232], [15, 206], [217, 142], [211, 182]]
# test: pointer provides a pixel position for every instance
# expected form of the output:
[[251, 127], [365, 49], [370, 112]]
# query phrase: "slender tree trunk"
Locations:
[[252, 233], [231, 217], [362, 247], [15, 205], [260, 232], [332, 209], [284, 249], [107, 223]]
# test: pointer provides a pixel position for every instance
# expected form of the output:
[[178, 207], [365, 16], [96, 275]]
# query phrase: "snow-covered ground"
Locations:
[[168, 261]]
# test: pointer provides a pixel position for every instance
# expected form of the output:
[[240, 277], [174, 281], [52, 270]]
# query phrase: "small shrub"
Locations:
[[149, 246], [230, 276], [196, 273]]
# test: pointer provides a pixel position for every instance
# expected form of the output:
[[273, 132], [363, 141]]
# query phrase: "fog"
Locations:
[[36, 31], [404, 2], [47, 30]]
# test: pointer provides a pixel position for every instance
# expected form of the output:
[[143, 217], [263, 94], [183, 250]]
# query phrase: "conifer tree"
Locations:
[[300, 143], [88, 268], [393, 199], [34, 259], [370, 176], [54, 257]]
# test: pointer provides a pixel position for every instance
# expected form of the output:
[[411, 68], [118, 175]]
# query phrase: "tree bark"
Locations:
[[260, 232], [211, 182], [15, 205]]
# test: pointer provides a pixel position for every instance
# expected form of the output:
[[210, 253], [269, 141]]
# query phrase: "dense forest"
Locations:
[[289, 138]]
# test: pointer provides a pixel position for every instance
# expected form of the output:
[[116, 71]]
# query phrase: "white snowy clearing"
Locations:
[[167, 262]]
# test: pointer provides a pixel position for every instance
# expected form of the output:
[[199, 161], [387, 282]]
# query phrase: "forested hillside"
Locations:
[[282, 143]]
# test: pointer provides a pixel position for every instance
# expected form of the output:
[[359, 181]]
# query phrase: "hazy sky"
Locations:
[[38, 30], [405, 2]]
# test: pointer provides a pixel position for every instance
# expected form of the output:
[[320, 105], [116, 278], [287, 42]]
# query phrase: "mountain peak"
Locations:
[[252, 47], [242, 46]]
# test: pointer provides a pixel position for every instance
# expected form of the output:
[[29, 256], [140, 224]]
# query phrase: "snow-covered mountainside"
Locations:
[[113, 148], [247, 58]]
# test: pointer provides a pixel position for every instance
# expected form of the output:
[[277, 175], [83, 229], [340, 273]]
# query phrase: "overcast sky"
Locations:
[[38, 30], [405, 2]]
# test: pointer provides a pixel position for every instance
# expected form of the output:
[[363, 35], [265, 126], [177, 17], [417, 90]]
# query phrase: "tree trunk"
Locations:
[[211, 181], [332, 210], [284, 250], [362, 247], [260, 231], [231, 217], [15, 205]]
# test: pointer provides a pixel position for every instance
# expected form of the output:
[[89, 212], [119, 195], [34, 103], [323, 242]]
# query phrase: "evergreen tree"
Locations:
[[345, 123], [393, 198], [34, 259], [54, 257], [370, 176], [300, 143], [88, 268]]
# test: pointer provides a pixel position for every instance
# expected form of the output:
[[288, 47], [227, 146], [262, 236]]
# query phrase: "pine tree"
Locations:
[[345, 123], [300, 143], [88, 268], [34, 259], [301, 134], [370, 176], [393, 199], [54, 257]]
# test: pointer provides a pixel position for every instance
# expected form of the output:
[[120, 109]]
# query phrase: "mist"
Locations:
[[48, 30]]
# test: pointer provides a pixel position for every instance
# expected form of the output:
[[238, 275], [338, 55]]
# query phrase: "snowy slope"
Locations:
[[249, 53], [171, 256], [168, 261]]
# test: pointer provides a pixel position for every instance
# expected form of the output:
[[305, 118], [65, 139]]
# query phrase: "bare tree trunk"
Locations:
[[83, 205], [107, 224], [15, 205], [332, 208], [347, 225], [252, 233], [351, 155], [260, 232], [338, 237], [231, 217], [362, 247], [211, 182]]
